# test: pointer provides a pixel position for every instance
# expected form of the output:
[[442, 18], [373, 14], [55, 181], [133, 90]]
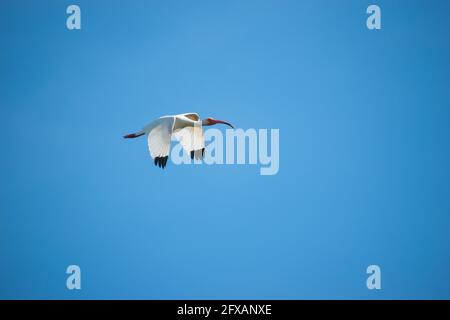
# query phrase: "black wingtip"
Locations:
[[161, 161]]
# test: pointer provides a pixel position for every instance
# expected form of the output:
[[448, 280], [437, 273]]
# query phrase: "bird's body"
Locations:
[[186, 127]]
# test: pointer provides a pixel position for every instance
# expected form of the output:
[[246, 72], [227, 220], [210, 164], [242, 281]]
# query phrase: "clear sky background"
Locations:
[[364, 149]]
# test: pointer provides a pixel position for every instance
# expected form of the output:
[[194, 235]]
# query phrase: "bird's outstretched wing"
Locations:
[[159, 137], [192, 140]]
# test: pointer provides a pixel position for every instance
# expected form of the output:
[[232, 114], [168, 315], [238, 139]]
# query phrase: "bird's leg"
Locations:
[[134, 135]]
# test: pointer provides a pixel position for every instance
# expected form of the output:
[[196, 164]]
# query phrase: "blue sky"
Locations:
[[364, 158]]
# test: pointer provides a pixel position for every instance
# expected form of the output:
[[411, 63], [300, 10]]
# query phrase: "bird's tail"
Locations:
[[134, 135]]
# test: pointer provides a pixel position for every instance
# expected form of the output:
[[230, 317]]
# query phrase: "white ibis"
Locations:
[[187, 128]]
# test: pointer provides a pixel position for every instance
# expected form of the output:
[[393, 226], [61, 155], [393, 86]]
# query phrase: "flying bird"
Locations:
[[187, 128]]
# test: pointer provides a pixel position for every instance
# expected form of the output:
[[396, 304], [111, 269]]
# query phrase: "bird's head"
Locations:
[[212, 121]]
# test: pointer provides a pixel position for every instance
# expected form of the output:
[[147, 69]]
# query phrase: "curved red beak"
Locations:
[[222, 122]]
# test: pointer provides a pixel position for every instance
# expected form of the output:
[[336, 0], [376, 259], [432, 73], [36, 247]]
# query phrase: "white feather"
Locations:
[[159, 135]]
